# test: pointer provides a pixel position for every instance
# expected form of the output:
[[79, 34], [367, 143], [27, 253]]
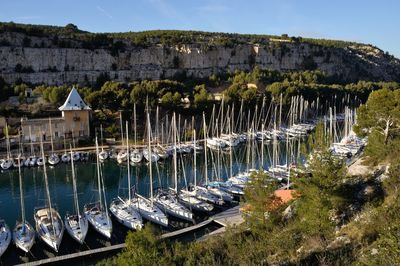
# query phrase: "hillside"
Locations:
[[58, 55]]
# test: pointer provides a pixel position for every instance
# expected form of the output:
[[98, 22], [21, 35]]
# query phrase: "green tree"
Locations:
[[319, 195], [144, 248], [20, 91], [260, 201], [381, 113], [171, 100], [201, 95]]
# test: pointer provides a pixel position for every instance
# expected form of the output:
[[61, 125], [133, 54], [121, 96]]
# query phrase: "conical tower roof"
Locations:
[[74, 102]]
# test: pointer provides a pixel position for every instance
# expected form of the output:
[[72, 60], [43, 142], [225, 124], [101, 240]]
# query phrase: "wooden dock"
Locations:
[[75, 255], [229, 217]]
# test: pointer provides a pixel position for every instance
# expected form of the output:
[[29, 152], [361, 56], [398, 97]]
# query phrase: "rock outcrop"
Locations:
[[43, 62]]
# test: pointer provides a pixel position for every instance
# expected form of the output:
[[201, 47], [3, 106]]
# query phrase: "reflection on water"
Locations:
[[116, 184]]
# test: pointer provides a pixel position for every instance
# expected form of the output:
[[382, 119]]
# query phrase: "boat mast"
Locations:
[[134, 122], [230, 148], [51, 137], [248, 142], [222, 116], [74, 183], [122, 128], [157, 136], [280, 112], [47, 187], [150, 158], [128, 165], [104, 190], [65, 143], [205, 148], [194, 158], [101, 135], [21, 191], [98, 172], [262, 146], [274, 145], [30, 138], [8, 142], [175, 155]]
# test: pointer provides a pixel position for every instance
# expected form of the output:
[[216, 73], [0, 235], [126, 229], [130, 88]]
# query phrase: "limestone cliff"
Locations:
[[36, 59]]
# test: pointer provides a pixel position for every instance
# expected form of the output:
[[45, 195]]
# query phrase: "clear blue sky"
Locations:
[[367, 21]]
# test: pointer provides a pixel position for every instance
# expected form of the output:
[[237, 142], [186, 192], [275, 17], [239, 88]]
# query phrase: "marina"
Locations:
[[61, 189], [176, 182]]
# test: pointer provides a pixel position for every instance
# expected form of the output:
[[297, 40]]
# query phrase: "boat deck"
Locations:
[[231, 216]]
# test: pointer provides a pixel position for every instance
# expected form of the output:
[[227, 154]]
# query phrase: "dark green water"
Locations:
[[115, 177]]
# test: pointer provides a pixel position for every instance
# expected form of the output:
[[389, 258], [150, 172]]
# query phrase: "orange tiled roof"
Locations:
[[285, 195]]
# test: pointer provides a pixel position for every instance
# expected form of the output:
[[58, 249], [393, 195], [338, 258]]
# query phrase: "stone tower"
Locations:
[[76, 114]]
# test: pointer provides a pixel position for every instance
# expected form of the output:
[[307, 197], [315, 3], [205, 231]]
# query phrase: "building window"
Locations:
[[55, 125], [56, 134], [81, 133]]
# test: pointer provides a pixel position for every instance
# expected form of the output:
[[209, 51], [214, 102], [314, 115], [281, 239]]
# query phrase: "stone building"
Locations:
[[74, 122]]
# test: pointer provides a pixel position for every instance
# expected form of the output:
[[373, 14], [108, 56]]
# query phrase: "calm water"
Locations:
[[115, 176]]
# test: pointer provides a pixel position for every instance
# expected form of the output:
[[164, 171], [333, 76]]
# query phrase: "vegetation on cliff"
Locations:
[[192, 96], [146, 38]]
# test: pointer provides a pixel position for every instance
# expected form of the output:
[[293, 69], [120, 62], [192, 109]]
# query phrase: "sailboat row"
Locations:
[[32, 160]]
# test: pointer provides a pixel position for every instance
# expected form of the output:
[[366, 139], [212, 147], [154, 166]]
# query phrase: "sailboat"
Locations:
[[49, 225], [167, 200], [144, 206], [8, 162], [96, 212], [122, 155], [19, 161], [5, 236], [76, 156], [76, 224], [201, 192], [65, 158], [136, 156], [24, 233], [53, 158], [103, 155], [121, 208], [227, 186], [188, 198], [31, 160]]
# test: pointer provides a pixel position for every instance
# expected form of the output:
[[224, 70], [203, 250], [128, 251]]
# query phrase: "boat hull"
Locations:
[[126, 215], [76, 228], [24, 236]]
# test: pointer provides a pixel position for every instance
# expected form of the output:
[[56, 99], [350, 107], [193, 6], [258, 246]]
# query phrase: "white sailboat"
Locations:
[[49, 225], [136, 156], [228, 186], [167, 200], [201, 192], [31, 160], [146, 207], [24, 233], [8, 162], [53, 158], [103, 155], [5, 236], [96, 212], [76, 224], [188, 198], [122, 156], [122, 209], [65, 158], [214, 187], [76, 156]]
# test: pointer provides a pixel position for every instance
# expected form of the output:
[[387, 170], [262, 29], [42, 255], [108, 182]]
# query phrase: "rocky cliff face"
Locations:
[[42, 62]]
